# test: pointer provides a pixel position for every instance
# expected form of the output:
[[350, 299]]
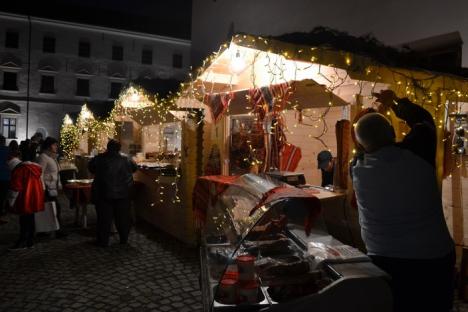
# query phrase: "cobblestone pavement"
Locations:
[[154, 273]]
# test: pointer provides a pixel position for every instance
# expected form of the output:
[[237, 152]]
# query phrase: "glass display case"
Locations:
[[255, 248]]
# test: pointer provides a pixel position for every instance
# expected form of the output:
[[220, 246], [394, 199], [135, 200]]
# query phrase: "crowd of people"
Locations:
[[30, 181], [29, 178]]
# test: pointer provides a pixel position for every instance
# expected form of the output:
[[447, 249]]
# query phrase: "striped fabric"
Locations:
[[290, 157], [218, 103], [270, 99]]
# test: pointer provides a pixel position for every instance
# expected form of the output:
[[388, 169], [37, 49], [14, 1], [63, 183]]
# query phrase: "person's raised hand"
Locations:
[[386, 98]]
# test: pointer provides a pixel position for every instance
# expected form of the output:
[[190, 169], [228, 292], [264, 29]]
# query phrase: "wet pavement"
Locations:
[[154, 273]]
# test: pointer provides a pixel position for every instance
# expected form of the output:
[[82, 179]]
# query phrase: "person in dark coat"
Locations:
[[400, 206], [422, 137], [326, 164], [111, 188]]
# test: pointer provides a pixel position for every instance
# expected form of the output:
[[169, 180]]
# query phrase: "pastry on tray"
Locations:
[[290, 287], [268, 248], [273, 268]]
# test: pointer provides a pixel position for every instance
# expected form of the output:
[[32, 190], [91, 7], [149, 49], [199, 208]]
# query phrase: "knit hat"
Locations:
[[323, 158]]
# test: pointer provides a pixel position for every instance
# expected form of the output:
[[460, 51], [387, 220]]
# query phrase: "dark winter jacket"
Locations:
[[113, 177], [422, 139]]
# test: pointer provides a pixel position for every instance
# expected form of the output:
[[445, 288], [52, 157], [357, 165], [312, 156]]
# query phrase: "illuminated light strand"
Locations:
[[421, 91]]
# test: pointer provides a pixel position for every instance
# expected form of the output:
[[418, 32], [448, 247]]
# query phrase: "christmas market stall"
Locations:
[[163, 142], [268, 114], [271, 104]]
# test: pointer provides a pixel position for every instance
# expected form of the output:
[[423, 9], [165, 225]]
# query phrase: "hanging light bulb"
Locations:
[[237, 64]]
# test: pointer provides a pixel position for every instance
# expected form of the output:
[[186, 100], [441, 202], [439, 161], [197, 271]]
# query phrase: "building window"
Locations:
[[11, 39], [82, 87], [117, 53], [147, 56], [48, 44], [47, 84], [9, 128], [10, 81], [115, 90], [177, 60], [84, 49]]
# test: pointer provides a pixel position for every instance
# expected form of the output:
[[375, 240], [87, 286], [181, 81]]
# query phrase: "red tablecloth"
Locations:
[[80, 193], [207, 188]]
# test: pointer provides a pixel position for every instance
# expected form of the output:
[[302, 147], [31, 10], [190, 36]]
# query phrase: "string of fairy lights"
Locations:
[[436, 92], [69, 138], [133, 104]]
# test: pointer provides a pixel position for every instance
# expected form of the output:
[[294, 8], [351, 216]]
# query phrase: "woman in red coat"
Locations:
[[26, 197]]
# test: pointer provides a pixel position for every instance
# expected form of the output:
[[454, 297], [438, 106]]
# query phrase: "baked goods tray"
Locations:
[[264, 302]]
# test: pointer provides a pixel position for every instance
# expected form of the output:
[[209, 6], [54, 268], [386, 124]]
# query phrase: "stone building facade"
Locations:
[[49, 68]]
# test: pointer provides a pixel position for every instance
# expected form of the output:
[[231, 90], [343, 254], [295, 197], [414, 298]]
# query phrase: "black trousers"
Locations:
[[27, 228], [4, 186], [420, 284], [107, 210]]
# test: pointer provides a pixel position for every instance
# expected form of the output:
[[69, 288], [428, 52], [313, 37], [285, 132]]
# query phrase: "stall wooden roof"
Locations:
[[317, 71], [359, 68]]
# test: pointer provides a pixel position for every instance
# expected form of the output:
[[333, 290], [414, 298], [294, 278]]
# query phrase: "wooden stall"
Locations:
[[165, 146], [251, 84]]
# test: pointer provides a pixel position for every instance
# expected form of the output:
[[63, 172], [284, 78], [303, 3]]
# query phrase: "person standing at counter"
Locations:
[[113, 180], [326, 164], [400, 207]]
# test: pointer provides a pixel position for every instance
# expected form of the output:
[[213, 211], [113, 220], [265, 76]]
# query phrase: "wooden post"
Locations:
[[188, 176], [457, 207], [439, 114], [352, 213]]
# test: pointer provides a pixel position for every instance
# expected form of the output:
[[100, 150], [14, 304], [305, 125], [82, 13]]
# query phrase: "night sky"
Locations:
[[391, 22], [169, 18]]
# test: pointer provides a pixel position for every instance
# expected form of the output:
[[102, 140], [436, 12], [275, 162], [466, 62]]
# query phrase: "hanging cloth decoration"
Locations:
[[269, 99], [213, 166], [257, 103], [218, 103], [281, 93], [290, 156], [267, 104]]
